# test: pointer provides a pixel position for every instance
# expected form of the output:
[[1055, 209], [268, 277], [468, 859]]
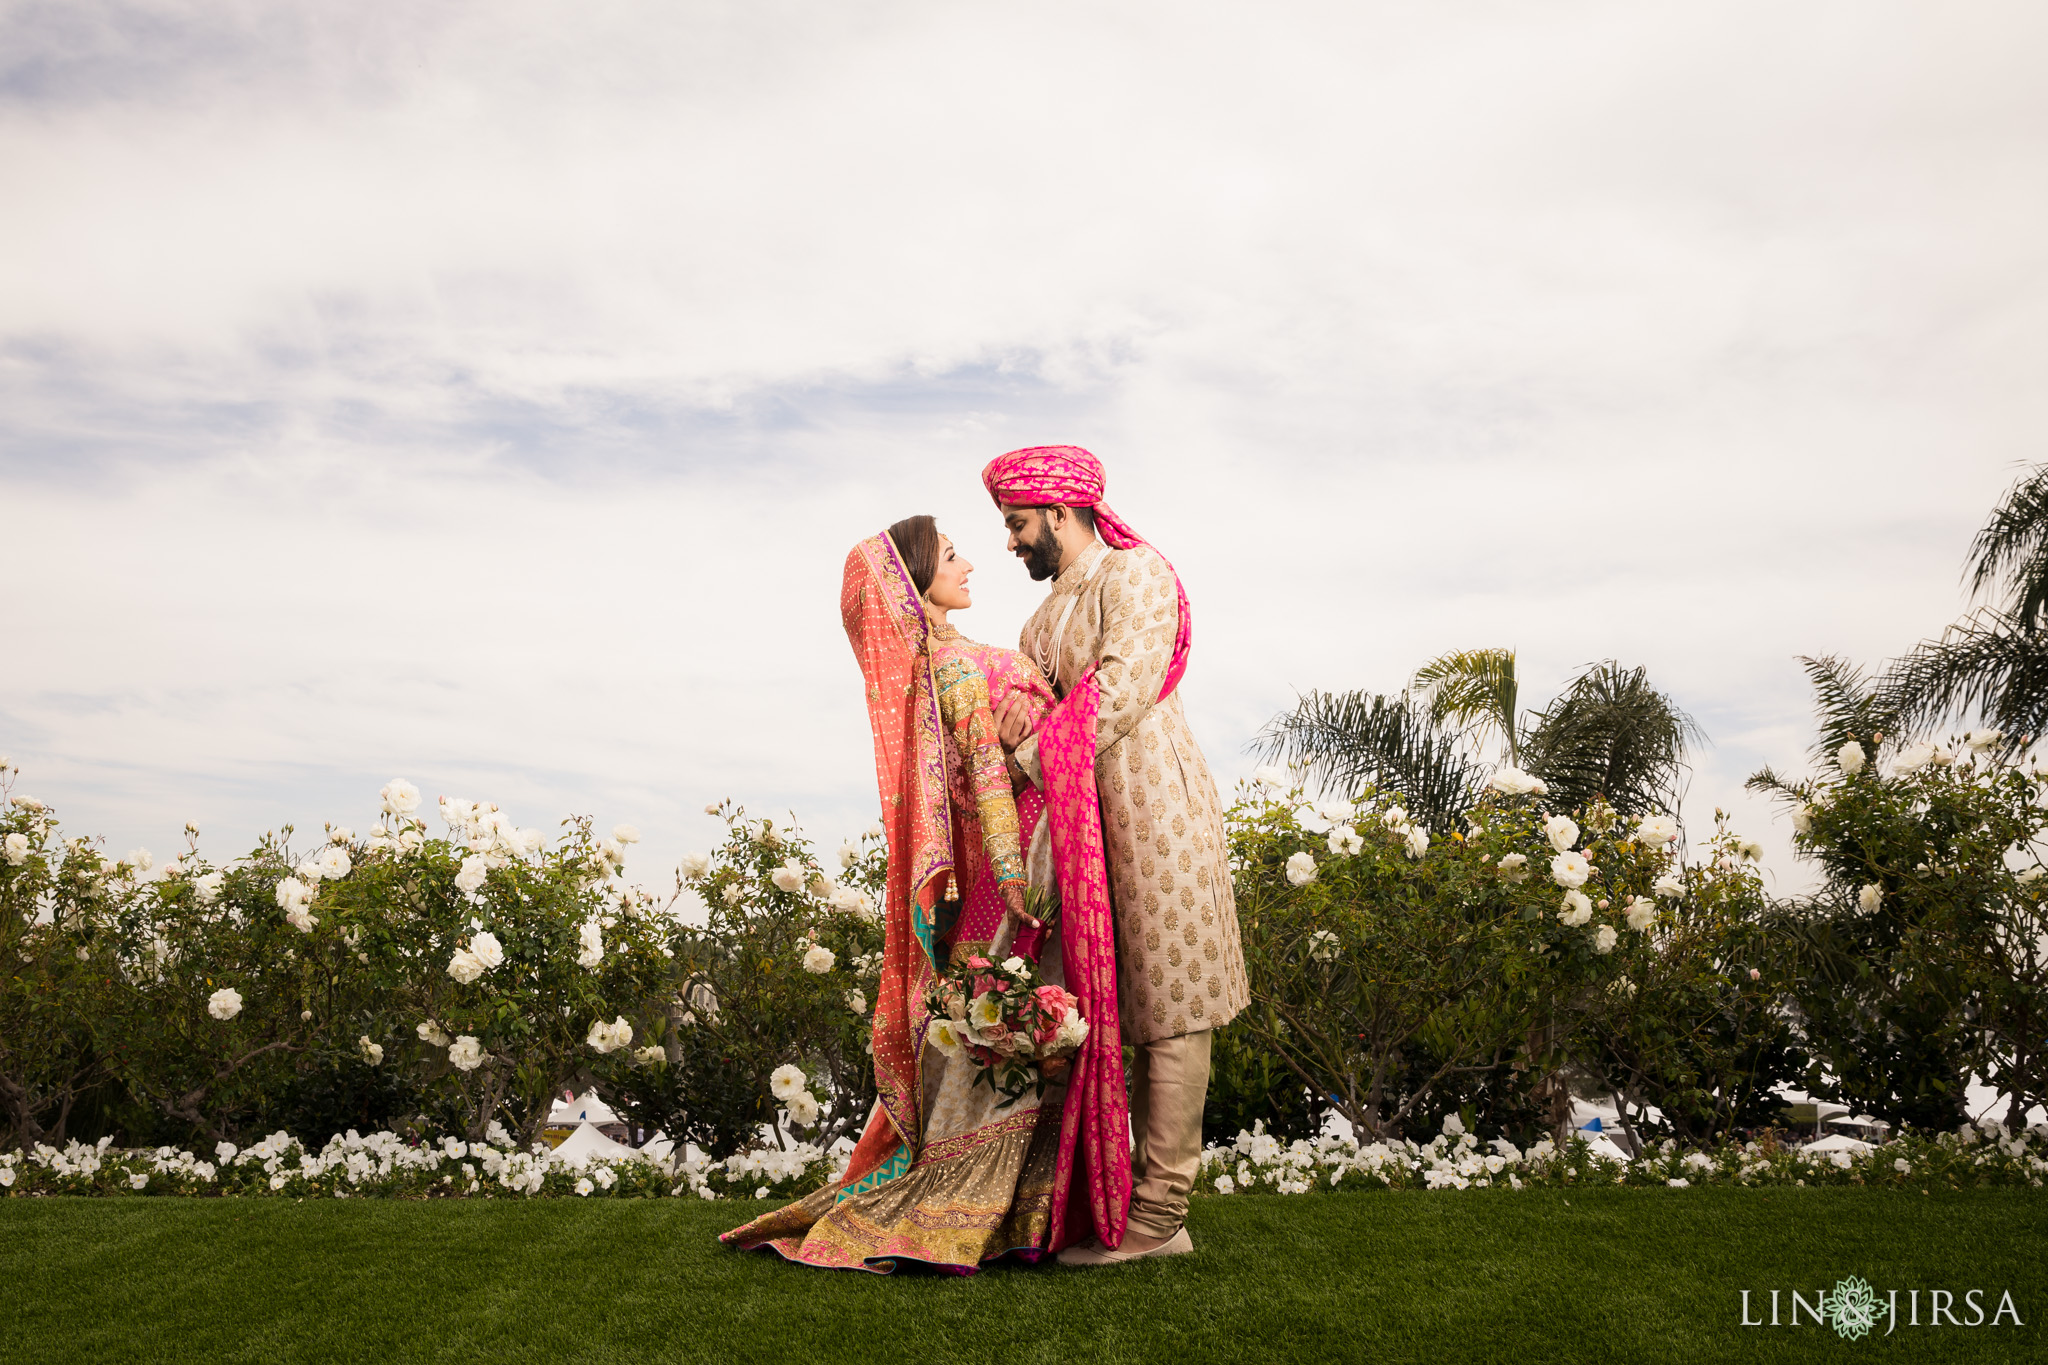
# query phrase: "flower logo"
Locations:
[[1852, 1308]]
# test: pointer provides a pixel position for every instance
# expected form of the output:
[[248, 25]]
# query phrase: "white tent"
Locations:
[[1600, 1145], [1835, 1142], [587, 1144], [587, 1108]]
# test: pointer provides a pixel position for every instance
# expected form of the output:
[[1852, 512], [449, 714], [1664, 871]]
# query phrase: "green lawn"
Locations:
[[1601, 1275]]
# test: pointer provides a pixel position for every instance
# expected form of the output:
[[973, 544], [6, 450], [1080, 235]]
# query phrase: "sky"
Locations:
[[488, 394]]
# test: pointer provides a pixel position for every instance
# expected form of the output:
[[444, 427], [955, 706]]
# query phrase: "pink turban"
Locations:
[[1045, 476]]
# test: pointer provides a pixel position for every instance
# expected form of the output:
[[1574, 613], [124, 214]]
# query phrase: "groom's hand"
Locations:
[[1013, 722]]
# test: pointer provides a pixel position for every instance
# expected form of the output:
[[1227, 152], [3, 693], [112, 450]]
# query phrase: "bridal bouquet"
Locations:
[[1006, 1021]]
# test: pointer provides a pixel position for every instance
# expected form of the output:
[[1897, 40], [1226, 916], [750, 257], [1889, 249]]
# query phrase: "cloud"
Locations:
[[488, 392]]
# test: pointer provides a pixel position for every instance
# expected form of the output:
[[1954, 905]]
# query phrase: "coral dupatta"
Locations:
[[885, 623]]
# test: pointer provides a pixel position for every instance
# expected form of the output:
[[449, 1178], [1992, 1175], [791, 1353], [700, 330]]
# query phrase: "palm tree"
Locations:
[[1609, 733], [1850, 707], [1993, 663]]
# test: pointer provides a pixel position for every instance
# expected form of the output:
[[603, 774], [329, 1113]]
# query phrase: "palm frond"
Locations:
[[1986, 666], [2010, 555], [1848, 705], [1475, 690], [1610, 733], [1348, 740]]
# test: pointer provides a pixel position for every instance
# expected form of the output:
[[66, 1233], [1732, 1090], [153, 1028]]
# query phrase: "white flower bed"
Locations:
[[1983, 1154], [385, 1165]]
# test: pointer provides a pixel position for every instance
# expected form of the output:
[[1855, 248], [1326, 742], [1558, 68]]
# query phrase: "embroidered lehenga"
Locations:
[[942, 1176]]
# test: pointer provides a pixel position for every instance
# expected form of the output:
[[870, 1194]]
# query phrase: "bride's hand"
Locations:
[[1013, 896], [1013, 721]]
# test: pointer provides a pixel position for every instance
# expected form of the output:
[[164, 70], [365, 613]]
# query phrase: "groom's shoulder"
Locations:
[[1134, 564]]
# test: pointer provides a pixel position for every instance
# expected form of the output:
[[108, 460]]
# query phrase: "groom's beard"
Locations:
[[1042, 556]]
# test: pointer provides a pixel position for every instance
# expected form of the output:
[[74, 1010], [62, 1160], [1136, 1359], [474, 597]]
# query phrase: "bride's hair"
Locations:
[[917, 540]]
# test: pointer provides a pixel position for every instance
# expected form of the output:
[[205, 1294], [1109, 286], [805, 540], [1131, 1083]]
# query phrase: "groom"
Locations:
[[1119, 607]]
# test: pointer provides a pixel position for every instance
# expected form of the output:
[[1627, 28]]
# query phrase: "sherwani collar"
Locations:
[[1076, 573]]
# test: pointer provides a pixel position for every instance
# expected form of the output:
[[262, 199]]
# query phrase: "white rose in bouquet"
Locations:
[[224, 1004]]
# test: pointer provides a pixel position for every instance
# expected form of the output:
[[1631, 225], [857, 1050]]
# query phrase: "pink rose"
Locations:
[[980, 963]]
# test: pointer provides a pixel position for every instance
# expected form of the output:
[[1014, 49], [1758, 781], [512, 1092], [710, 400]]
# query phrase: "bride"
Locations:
[[943, 1176]]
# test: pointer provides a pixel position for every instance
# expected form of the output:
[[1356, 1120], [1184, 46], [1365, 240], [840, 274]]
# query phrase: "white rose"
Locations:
[[292, 893], [399, 797], [591, 939], [1562, 831], [1576, 909], [473, 874], [1323, 945], [789, 877], [373, 1053], [530, 841], [1850, 758], [412, 840], [340, 834], [787, 1080], [430, 1033], [1914, 757], [140, 859], [1311, 820], [649, 1055], [1980, 740], [1750, 849], [487, 950], [1514, 867], [2032, 875], [1869, 898], [1395, 817], [1656, 829], [626, 834], [17, 849], [298, 918], [1274, 779], [1512, 781], [224, 1004], [1301, 869], [818, 959], [464, 966], [333, 862], [1417, 840], [715, 808], [1802, 819], [1340, 811], [1641, 914], [803, 1109], [822, 887], [857, 1002], [1570, 869], [1345, 841], [849, 854], [1603, 939], [466, 1054], [25, 802], [873, 831], [206, 889], [731, 894], [1669, 886], [695, 865]]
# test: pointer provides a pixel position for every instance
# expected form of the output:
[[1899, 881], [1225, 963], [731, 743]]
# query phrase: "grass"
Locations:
[[1615, 1275]]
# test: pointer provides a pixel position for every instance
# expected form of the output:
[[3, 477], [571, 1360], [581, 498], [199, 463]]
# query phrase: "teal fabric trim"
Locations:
[[896, 1165]]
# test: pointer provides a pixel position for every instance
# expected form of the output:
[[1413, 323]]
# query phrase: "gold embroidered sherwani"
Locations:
[[1180, 964]]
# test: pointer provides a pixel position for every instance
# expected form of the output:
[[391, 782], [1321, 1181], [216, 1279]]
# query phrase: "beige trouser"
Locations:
[[1169, 1082]]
